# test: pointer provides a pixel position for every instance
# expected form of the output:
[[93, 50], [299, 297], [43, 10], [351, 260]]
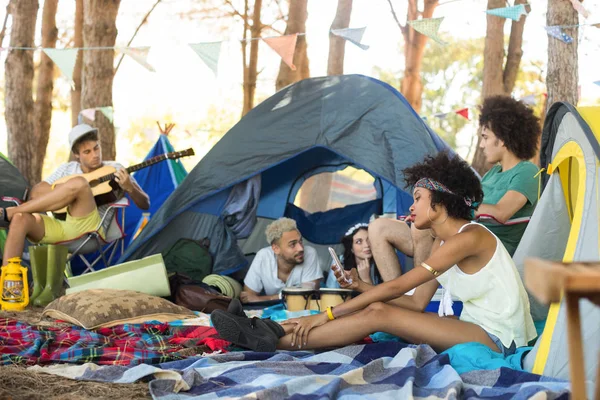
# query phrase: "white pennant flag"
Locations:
[[353, 35], [209, 53], [89, 113], [529, 100], [139, 54], [65, 60]]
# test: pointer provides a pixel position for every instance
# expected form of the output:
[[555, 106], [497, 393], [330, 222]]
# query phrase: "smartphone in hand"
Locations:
[[338, 266]]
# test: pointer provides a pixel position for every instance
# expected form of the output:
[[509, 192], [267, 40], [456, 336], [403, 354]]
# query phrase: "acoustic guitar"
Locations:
[[102, 181]]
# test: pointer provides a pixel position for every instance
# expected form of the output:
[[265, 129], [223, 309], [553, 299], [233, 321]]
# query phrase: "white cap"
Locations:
[[78, 131]]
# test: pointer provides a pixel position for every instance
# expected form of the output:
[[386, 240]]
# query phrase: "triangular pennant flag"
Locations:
[[353, 35], [597, 83], [529, 100], [209, 53], [463, 112], [556, 32], [513, 13], [139, 54], [440, 115], [285, 46], [580, 8], [428, 27], [89, 113], [65, 61], [107, 111]]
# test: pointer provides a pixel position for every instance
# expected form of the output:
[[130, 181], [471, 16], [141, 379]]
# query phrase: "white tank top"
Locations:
[[494, 297]]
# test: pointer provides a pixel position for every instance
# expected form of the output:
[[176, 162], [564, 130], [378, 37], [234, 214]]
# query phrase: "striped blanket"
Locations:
[[385, 370]]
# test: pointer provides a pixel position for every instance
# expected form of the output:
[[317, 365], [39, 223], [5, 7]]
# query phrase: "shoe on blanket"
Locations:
[[235, 307], [252, 333]]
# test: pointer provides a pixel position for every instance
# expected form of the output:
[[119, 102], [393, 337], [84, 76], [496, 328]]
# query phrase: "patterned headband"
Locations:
[[355, 228], [436, 186]]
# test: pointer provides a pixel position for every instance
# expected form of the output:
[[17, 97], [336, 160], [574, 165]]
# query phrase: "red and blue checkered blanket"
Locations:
[[126, 345]]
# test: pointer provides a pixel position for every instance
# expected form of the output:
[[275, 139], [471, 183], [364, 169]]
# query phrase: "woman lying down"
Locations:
[[467, 260]]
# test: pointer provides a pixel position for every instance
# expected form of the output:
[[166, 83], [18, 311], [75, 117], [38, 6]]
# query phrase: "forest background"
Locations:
[[478, 59]]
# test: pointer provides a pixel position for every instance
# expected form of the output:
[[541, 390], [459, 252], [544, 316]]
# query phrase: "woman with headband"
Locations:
[[357, 259], [469, 261]]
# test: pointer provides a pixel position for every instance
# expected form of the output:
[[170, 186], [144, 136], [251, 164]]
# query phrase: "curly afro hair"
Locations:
[[512, 122], [456, 175]]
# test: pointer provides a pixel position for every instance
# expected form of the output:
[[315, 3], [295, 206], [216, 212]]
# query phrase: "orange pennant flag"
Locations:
[[464, 112], [285, 46]]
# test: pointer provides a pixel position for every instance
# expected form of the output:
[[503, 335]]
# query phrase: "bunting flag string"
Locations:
[[580, 8], [513, 13], [353, 35], [90, 113], [65, 61], [558, 33], [209, 53], [139, 54], [285, 46], [529, 100], [428, 27], [463, 112]]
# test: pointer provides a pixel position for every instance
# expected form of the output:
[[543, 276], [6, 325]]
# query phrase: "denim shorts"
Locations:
[[506, 351]]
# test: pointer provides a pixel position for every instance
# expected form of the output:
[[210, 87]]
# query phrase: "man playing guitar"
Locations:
[[75, 194]]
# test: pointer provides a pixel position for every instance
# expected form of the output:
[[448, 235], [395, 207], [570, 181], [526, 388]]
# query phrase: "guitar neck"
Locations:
[[136, 167]]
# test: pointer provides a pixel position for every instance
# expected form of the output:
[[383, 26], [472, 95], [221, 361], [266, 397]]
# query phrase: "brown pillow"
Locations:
[[101, 308]]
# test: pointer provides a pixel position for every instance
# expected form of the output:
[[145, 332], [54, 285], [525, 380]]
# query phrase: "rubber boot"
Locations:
[[38, 260], [57, 259]]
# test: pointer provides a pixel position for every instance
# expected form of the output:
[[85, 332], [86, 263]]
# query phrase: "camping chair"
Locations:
[[90, 242]]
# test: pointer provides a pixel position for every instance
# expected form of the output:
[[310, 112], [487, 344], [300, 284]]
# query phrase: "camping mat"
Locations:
[[128, 344], [381, 370]]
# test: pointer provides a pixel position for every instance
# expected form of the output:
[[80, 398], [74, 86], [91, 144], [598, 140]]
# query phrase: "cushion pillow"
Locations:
[[100, 308]]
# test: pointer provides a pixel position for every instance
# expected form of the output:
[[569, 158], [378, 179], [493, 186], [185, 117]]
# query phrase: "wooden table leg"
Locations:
[[576, 364]]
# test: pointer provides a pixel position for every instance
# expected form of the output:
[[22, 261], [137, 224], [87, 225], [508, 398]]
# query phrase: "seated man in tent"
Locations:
[[75, 194], [510, 133], [286, 263]]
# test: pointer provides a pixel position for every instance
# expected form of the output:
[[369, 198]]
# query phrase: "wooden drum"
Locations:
[[331, 297], [297, 299]]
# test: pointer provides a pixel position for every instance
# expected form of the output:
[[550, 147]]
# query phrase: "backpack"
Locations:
[[189, 257]]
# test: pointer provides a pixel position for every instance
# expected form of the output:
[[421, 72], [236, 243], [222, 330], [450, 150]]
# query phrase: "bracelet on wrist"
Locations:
[[330, 313]]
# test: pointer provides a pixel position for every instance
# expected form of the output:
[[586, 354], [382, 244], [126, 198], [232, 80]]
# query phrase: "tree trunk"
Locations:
[[250, 76], [77, 42], [562, 76], [498, 80], [414, 47], [19, 91], [100, 30], [45, 87], [296, 24], [337, 45]]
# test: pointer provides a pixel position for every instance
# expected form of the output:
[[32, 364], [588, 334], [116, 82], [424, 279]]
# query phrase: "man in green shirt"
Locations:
[[509, 133]]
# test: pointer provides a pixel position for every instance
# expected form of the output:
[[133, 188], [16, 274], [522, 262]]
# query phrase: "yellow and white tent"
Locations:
[[565, 226]]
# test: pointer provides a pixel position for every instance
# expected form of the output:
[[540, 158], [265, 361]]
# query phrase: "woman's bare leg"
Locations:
[[414, 327]]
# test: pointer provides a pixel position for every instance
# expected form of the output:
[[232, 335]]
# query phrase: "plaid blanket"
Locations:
[[379, 371], [128, 344]]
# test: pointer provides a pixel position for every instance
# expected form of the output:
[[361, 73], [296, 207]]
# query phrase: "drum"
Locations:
[[331, 297], [297, 299]]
